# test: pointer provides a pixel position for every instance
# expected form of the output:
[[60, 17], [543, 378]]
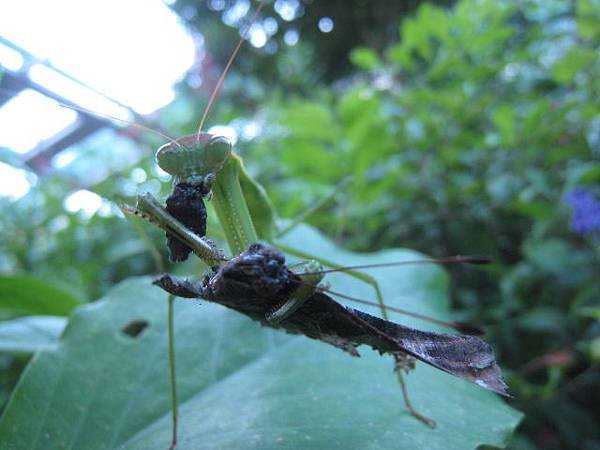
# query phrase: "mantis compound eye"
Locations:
[[170, 158], [216, 153]]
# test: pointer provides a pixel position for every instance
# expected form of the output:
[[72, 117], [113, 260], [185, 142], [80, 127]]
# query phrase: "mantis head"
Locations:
[[194, 159]]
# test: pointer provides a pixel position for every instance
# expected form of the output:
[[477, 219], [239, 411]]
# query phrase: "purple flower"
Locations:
[[586, 211]]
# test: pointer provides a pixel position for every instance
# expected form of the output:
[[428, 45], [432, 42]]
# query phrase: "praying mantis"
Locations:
[[288, 298], [256, 281], [215, 173]]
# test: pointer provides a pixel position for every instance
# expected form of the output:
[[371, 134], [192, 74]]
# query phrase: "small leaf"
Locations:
[[594, 350], [565, 69], [542, 319], [310, 120], [26, 294], [590, 311], [550, 255], [588, 15], [365, 58], [504, 119]]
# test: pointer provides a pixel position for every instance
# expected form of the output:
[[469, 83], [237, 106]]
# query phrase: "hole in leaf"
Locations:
[[135, 327]]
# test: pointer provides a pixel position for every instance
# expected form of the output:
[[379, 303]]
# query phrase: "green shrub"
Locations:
[[469, 136]]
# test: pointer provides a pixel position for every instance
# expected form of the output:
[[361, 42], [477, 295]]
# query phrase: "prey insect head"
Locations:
[[194, 159]]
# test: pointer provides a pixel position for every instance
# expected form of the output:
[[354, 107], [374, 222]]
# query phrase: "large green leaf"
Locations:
[[243, 386]]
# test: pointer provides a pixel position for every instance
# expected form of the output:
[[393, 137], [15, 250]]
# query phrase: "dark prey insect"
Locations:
[[257, 282]]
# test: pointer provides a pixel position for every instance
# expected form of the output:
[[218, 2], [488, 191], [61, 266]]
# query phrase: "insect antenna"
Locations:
[[107, 117], [477, 260], [221, 79], [461, 327], [116, 119]]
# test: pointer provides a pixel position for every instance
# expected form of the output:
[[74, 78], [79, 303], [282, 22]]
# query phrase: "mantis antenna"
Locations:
[[116, 119], [108, 117], [478, 260], [221, 79]]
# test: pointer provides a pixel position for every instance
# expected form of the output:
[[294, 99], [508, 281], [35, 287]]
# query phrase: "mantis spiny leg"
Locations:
[[151, 210], [172, 372]]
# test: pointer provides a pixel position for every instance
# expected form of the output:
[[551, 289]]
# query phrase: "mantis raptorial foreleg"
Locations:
[[150, 209], [210, 163]]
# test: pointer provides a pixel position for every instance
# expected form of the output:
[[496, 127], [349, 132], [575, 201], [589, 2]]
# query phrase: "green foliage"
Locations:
[[25, 294], [365, 58], [241, 382], [81, 252], [462, 137], [466, 140]]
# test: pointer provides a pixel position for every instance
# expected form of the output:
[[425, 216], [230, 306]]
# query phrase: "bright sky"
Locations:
[[130, 50], [133, 51]]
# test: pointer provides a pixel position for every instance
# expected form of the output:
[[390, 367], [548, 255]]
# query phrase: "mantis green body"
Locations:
[[246, 216], [241, 204]]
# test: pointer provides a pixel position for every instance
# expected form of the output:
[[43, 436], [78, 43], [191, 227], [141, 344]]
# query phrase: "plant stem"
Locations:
[[172, 373]]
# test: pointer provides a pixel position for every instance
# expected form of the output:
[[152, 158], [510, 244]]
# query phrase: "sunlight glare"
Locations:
[[291, 37], [132, 51], [326, 24], [225, 131], [287, 9], [69, 89], [30, 117], [257, 35], [236, 13], [64, 158], [270, 25], [138, 175], [15, 183], [10, 59], [85, 201]]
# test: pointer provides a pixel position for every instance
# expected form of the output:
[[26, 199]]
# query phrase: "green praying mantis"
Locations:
[[206, 167], [210, 165]]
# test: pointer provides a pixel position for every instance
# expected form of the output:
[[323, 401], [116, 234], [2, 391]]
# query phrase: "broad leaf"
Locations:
[[242, 385]]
